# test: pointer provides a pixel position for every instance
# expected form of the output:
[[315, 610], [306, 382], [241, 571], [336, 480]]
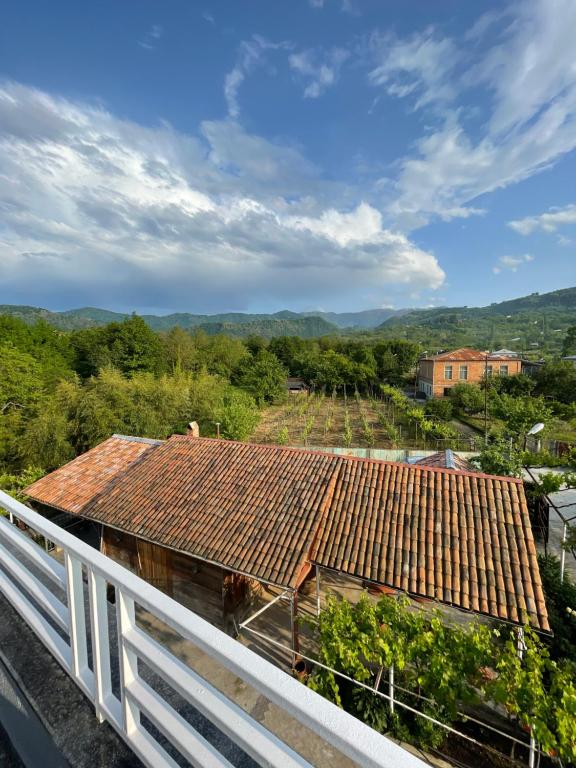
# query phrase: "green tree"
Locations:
[[500, 457], [520, 414], [20, 379], [238, 414], [439, 408], [467, 397], [134, 347], [263, 376], [569, 343], [557, 380]]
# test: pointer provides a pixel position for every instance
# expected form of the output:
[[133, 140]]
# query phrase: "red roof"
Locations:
[[465, 354], [468, 355], [461, 537], [72, 486]]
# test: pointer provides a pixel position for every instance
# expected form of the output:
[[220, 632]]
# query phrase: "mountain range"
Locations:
[[528, 316]]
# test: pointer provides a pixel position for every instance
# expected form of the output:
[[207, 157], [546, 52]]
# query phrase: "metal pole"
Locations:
[[317, 591], [391, 687], [532, 758], [563, 554]]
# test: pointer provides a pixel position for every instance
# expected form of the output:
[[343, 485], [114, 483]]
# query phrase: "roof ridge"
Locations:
[[338, 457]]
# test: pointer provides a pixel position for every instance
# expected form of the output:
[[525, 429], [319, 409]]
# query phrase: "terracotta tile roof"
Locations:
[[462, 538], [465, 354], [447, 459], [72, 486], [468, 355], [249, 508]]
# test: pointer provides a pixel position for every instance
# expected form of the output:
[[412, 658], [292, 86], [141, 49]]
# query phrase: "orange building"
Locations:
[[439, 373]]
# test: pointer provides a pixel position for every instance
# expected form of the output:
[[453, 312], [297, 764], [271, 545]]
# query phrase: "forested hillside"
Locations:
[[534, 323]]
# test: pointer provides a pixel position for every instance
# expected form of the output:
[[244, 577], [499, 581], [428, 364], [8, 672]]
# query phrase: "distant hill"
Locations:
[[232, 323], [368, 318], [533, 322], [87, 317], [530, 323]]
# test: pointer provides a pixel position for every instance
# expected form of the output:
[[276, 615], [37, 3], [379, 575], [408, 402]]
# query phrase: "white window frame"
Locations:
[[463, 370]]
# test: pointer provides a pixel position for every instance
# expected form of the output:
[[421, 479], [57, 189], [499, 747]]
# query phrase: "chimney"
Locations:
[[193, 429]]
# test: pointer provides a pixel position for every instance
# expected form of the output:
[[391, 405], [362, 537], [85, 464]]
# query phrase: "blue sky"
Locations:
[[258, 155]]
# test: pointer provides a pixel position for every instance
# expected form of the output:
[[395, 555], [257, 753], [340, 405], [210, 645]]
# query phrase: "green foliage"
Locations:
[[557, 380], [439, 408], [569, 343], [263, 376], [238, 414], [446, 665], [500, 457], [14, 484], [20, 378], [467, 397], [561, 605], [520, 413]]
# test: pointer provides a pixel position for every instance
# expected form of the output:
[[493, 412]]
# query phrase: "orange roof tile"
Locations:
[[72, 486], [462, 538]]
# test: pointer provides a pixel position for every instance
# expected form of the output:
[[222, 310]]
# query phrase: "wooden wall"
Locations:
[[206, 589]]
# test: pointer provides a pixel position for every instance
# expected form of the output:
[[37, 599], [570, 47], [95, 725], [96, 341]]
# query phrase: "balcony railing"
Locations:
[[77, 631]]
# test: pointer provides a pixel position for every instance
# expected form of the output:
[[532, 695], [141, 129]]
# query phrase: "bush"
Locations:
[[439, 408]]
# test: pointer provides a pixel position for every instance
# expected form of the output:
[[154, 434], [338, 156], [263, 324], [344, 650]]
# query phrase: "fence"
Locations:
[[76, 631]]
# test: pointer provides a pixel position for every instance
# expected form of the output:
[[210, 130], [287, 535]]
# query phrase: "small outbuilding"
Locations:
[[212, 520], [297, 386]]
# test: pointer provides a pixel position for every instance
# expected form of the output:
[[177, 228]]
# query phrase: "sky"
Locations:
[[257, 155]]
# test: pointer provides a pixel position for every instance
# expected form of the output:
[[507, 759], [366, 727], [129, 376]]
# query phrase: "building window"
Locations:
[[489, 370], [503, 370], [463, 372], [447, 371]]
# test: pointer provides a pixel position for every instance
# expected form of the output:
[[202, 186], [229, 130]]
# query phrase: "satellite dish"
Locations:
[[536, 428]]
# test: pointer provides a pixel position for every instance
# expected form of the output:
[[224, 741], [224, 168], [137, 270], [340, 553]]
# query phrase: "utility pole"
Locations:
[[486, 398]]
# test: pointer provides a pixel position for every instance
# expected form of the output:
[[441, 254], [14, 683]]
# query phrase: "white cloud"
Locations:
[[530, 77], [251, 54], [95, 209], [421, 65], [151, 38], [547, 222], [321, 69], [511, 263]]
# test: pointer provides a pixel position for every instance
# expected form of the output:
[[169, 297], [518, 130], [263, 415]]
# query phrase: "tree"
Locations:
[[180, 352], [133, 345], [520, 414], [500, 457], [557, 380], [20, 379], [263, 376], [467, 397], [439, 408], [569, 343], [238, 414]]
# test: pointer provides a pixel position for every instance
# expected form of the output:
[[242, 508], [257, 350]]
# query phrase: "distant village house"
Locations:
[[437, 374]]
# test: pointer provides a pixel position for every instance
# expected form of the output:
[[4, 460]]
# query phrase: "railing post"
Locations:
[[76, 618], [532, 756], [100, 642], [126, 620], [391, 687], [563, 553], [318, 605]]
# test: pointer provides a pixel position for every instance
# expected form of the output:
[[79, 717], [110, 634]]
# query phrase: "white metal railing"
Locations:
[[29, 592]]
